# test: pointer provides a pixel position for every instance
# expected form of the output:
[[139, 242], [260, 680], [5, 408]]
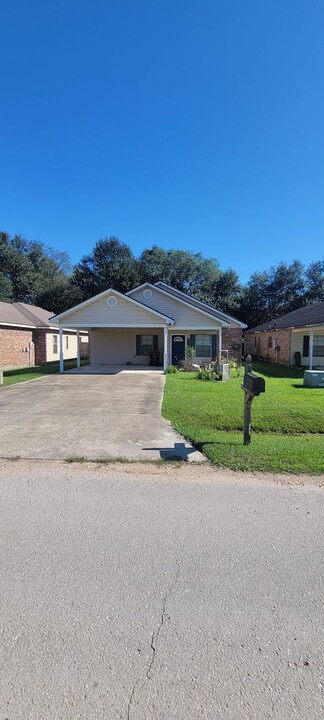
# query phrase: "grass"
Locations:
[[123, 460], [20, 375], [287, 420]]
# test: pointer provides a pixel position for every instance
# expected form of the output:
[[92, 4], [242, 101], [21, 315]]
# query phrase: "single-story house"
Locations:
[[27, 337], [295, 339], [151, 324]]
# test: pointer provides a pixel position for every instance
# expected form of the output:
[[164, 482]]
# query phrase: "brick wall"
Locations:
[[262, 346], [232, 341], [40, 346], [13, 342]]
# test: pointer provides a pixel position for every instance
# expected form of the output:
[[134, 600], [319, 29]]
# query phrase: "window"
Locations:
[[318, 349], [203, 345], [54, 344], [67, 342], [269, 341], [305, 345], [145, 344], [318, 346]]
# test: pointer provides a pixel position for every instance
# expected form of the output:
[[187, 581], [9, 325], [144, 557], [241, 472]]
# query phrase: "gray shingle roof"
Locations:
[[23, 314], [308, 315]]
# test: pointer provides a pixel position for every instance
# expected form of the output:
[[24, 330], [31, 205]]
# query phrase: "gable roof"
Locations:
[[198, 303], [303, 317], [201, 307], [21, 314], [85, 303], [202, 311]]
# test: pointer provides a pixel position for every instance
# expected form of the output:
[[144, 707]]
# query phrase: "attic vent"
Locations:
[[147, 294], [112, 301]]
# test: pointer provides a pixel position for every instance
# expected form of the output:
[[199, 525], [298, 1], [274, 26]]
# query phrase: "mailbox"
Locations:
[[253, 384]]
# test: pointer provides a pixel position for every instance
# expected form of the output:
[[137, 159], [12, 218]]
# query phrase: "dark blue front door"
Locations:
[[178, 348]]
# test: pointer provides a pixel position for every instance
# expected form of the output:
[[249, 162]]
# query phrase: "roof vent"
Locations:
[[112, 301], [147, 294]]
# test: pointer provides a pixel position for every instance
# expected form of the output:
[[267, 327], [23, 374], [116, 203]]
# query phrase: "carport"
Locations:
[[122, 332]]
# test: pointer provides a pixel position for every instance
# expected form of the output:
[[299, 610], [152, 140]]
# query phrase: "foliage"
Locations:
[[29, 270], [111, 264], [190, 354], [33, 273], [207, 375], [287, 421], [171, 369]]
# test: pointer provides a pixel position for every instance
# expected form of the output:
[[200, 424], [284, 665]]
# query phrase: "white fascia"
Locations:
[[28, 327]]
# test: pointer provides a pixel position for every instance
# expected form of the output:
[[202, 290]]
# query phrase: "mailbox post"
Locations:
[[253, 385]]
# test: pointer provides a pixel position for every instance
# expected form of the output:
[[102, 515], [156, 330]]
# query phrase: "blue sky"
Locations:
[[188, 124]]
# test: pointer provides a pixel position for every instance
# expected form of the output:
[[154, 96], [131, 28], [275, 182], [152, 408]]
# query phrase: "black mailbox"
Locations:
[[254, 384]]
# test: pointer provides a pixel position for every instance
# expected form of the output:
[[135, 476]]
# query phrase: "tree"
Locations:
[[111, 264], [314, 282]]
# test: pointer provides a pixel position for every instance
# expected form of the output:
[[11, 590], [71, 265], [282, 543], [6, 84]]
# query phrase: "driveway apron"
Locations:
[[91, 416]]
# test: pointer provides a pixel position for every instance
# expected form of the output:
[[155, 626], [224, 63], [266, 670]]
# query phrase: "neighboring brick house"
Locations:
[[295, 339], [28, 338]]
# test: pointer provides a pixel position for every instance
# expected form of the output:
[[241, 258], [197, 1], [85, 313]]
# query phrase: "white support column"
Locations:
[[61, 350], [219, 342], [311, 349], [165, 348], [78, 349]]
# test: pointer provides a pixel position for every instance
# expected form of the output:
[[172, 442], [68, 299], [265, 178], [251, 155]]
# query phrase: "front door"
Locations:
[[178, 348]]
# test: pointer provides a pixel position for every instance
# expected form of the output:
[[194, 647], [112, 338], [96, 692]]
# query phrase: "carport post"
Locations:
[[165, 349], [61, 350], [78, 348], [311, 349], [220, 343]]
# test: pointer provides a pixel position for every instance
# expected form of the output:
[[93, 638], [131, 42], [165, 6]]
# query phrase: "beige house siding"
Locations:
[[117, 346], [69, 352], [184, 315], [297, 338], [100, 313]]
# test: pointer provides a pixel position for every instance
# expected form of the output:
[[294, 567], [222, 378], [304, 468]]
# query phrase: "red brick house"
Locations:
[[295, 339], [28, 338]]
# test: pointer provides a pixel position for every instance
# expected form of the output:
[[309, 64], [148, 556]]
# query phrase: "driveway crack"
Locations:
[[154, 640]]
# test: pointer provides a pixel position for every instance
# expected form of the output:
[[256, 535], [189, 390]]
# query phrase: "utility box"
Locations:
[[314, 378], [253, 384]]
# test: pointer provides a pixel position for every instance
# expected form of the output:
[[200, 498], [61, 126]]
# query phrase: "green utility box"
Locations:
[[314, 378]]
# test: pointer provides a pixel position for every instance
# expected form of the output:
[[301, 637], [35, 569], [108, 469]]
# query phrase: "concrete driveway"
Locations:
[[90, 415]]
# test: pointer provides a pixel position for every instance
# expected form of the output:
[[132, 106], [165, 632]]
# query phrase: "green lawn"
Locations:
[[287, 420], [14, 376]]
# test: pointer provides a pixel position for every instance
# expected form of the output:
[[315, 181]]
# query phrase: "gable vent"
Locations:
[[112, 301], [147, 294]]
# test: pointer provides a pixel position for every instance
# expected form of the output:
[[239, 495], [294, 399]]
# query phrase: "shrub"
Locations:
[[207, 375], [171, 369]]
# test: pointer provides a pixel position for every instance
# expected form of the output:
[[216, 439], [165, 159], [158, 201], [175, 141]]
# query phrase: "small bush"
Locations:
[[207, 375], [171, 369]]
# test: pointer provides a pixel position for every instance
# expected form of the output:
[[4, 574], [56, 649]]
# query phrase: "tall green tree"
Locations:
[[314, 282], [111, 264]]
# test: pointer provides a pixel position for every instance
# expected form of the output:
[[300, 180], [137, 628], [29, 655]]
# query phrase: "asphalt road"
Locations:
[[136, 593]]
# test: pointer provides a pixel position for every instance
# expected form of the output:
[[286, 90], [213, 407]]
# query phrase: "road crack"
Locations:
[[154, 640]]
